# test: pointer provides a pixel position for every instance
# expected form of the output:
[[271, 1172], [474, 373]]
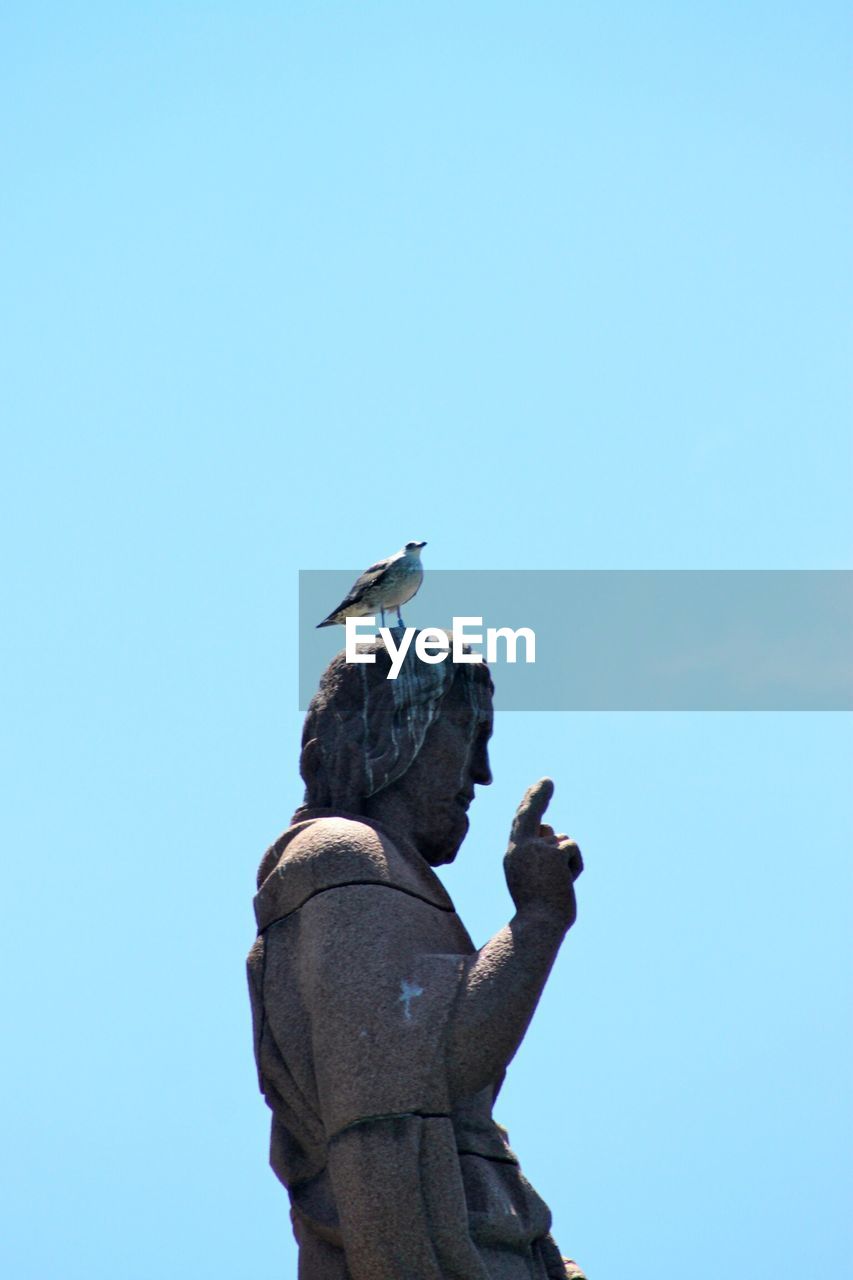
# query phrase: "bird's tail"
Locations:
[[327, 622]]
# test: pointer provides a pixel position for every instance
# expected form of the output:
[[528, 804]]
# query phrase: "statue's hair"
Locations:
[[363, 730]]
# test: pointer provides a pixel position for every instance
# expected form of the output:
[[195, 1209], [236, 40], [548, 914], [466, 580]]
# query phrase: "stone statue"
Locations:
[[382, 1034]]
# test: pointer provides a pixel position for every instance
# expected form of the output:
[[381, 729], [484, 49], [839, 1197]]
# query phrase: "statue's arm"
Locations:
[[502, 982], [501, 987], [398, 1024]]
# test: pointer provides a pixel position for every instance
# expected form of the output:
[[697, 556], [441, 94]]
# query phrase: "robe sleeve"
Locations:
[[379, 993], [379, 997]]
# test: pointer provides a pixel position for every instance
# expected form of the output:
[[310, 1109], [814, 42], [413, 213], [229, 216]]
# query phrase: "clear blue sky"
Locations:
[[550, 285]]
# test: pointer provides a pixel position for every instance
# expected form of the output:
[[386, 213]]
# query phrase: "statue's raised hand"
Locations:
[[541, 867]]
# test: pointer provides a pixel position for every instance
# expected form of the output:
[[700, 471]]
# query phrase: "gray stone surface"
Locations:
[[381, 1033]]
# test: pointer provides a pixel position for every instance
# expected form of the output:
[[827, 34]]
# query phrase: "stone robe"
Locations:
[[353, 981]]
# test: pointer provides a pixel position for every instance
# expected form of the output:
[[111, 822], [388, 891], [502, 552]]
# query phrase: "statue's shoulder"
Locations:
[[340, 837], [329, 852], [333, 841]]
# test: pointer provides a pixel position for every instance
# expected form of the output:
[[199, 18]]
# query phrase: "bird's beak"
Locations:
[[421, 544]]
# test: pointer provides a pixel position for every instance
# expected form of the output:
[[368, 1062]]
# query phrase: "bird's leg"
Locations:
[[382, 611], [399, 617]]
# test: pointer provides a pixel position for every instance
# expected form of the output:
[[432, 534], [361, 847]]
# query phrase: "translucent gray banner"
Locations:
[[613, 640]]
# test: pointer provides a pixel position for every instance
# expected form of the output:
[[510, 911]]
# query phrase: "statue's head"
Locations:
[[411, 747]]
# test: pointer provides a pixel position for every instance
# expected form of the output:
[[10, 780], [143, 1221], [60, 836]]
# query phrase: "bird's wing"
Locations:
[[368, 579], [373, 570]]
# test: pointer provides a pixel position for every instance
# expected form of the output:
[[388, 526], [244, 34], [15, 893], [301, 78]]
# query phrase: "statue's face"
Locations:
[[437, 789]]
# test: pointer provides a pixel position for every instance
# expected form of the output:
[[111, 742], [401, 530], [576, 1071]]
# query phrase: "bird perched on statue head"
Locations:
[[385, 585]]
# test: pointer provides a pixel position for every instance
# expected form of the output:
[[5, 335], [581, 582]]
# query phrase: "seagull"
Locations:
[[385, 585]]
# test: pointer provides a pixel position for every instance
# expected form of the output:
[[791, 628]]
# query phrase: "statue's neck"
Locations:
[[393, 814]]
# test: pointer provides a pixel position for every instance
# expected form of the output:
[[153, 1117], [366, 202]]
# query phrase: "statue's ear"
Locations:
[[311, 768]]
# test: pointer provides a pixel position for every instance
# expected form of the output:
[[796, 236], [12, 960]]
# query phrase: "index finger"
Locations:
[[528, 815]]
